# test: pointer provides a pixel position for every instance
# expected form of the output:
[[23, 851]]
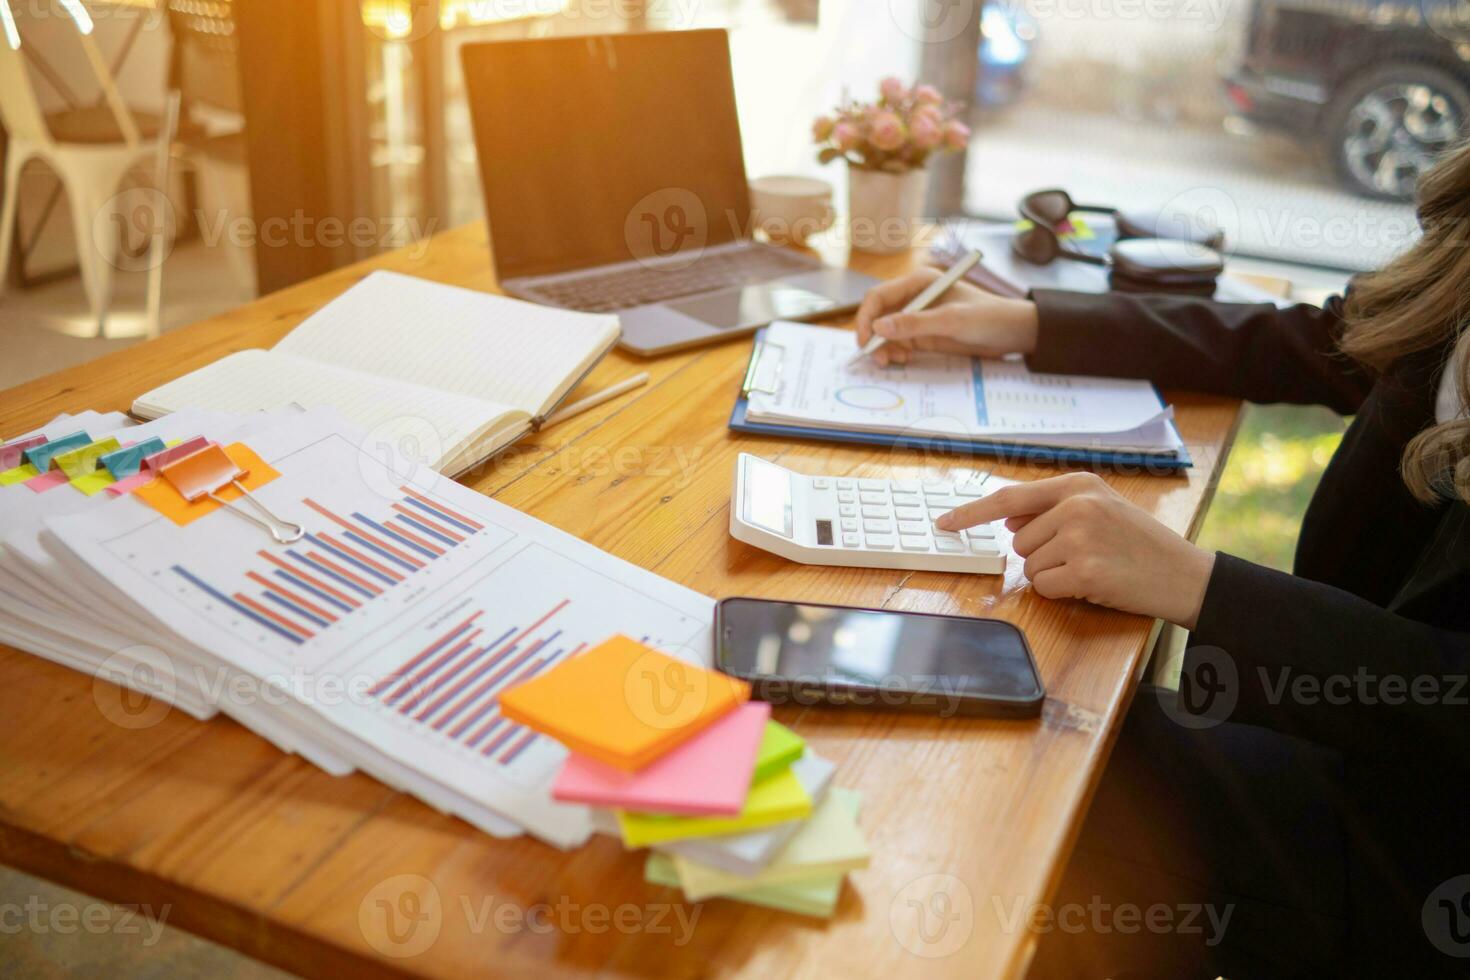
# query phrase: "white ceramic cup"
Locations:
[[791, 209]]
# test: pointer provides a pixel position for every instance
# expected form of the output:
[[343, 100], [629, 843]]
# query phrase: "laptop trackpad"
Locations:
[[752, 306]]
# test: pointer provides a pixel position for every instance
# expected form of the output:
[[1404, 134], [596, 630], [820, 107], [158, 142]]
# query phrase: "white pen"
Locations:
[[936, 289]]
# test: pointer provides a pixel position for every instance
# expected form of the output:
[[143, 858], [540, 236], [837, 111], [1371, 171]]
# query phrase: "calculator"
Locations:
[[820, 520]]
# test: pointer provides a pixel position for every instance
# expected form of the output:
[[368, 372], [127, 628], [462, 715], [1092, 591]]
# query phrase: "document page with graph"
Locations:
[[395, 622], [803, 376]]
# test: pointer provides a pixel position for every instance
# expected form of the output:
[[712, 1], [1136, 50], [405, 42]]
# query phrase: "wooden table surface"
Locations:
[[969, 819]]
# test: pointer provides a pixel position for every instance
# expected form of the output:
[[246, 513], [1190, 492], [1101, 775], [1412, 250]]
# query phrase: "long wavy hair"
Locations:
[[1421, 301]]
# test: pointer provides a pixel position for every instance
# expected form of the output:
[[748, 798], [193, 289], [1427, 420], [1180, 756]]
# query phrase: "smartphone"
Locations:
[[808, 653]]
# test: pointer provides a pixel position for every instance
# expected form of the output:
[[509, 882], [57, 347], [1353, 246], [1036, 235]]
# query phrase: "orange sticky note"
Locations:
[[623, 703], [162, 497]]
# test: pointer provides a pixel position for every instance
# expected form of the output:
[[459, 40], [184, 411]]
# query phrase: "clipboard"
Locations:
[[763, 375]]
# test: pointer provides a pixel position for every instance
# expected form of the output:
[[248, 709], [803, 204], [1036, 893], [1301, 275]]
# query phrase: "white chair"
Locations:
[[90, 150]]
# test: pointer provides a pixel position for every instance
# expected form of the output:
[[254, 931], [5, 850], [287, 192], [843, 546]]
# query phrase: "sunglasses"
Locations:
[[1047, 211], [1050, 210]]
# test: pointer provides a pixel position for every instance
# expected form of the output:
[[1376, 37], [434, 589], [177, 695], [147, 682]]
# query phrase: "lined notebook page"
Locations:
[[258, 380], [455, 340]]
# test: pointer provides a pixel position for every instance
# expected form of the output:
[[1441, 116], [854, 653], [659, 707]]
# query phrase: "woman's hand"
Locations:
[[966, 320], [1082, 540]]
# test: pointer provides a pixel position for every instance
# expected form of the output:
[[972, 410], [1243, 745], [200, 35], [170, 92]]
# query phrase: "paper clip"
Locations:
[[204, 473]]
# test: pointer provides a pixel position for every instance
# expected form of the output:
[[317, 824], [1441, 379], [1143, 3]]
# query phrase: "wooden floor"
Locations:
[[263, 852]]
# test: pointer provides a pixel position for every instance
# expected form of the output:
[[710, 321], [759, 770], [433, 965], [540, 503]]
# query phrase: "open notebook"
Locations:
[[450, 374]]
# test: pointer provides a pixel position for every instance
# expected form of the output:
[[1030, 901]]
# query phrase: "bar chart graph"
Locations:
[[296, 593]]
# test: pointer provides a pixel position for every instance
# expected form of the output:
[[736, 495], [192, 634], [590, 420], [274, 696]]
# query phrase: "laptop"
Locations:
[[614, 182]]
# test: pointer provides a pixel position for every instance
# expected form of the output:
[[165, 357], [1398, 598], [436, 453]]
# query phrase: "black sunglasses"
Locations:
[[1047, 210]]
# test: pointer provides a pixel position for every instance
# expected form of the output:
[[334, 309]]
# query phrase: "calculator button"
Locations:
[[982, 531], [981, 546], [847, 510], [907, 499], [850, 541], [820, 484], [912, 527], [949, 545], [908, 486], [909, 513], [971, 490], [954, 535], [878, 527], [846, 497], [914, 542], [879, 540], [883, 512], [872, 485], [873, 497], [849, 524], [942, 500], [846, 484]]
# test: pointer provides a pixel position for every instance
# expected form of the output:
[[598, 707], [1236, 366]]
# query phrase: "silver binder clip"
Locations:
[[760, 356], [206, 472]]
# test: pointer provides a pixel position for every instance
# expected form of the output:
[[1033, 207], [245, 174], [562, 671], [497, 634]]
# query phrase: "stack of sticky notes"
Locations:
[[675, 757]]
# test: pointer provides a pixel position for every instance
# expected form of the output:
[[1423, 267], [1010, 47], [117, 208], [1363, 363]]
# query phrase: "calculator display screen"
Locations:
[[767, 497]]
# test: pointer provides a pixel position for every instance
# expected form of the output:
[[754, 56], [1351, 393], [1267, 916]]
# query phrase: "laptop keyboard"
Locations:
[[627, 288]]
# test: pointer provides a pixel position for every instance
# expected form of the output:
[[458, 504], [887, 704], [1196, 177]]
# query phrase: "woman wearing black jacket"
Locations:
[[1310, 787]]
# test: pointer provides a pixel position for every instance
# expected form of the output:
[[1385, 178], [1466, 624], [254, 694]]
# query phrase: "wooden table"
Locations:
[[262, 852]]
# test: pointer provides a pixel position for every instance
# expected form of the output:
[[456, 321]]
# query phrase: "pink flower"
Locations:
[[886, 131], [846, 136], [925, 131], [822, 128], [956, 135], [893, 90], [928, 95]]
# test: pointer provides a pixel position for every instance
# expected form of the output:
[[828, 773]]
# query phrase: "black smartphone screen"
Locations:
[[896, 652]]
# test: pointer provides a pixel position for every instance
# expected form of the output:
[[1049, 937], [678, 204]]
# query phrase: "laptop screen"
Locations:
[[607, 148]]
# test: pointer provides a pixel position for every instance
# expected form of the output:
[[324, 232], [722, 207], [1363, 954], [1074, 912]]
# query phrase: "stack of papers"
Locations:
[[381, 639], [733, 804], [804, 378]]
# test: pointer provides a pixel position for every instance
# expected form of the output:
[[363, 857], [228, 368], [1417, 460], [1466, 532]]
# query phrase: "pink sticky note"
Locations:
[[130, 483], [49, 480], [707, 775], [11, 452]]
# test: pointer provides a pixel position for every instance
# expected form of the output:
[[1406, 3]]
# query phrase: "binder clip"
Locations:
[[206, 472]]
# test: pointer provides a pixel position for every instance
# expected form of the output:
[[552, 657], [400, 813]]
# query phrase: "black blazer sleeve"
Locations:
[[1320, 663], [1252, 351]]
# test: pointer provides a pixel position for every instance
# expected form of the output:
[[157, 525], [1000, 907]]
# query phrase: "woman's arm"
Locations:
[[1319, 663], [1252, 351]]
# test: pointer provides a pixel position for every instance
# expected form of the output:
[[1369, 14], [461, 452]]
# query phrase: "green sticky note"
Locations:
[[780, 747], [830, 842], [771, 801], [20, 474], [816, 897]]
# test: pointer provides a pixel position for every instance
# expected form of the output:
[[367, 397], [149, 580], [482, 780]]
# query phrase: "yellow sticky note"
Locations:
[[93, 483], [80, 462], [20, 474], [816, 897], [829, 843], [771, 801]]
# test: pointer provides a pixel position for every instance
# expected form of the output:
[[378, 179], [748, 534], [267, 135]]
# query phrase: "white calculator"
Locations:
[[820, 520]]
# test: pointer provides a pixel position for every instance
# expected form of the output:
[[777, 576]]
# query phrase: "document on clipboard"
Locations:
[[800, 377]]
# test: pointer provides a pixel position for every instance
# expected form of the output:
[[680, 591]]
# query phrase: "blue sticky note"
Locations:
[[127, 461], [40, 456]]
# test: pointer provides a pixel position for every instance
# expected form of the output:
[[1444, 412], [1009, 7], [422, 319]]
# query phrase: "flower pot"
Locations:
[[884, 208]]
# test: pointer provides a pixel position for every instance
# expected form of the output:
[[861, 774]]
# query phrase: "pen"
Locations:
[[593, 400], [936, 289]]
